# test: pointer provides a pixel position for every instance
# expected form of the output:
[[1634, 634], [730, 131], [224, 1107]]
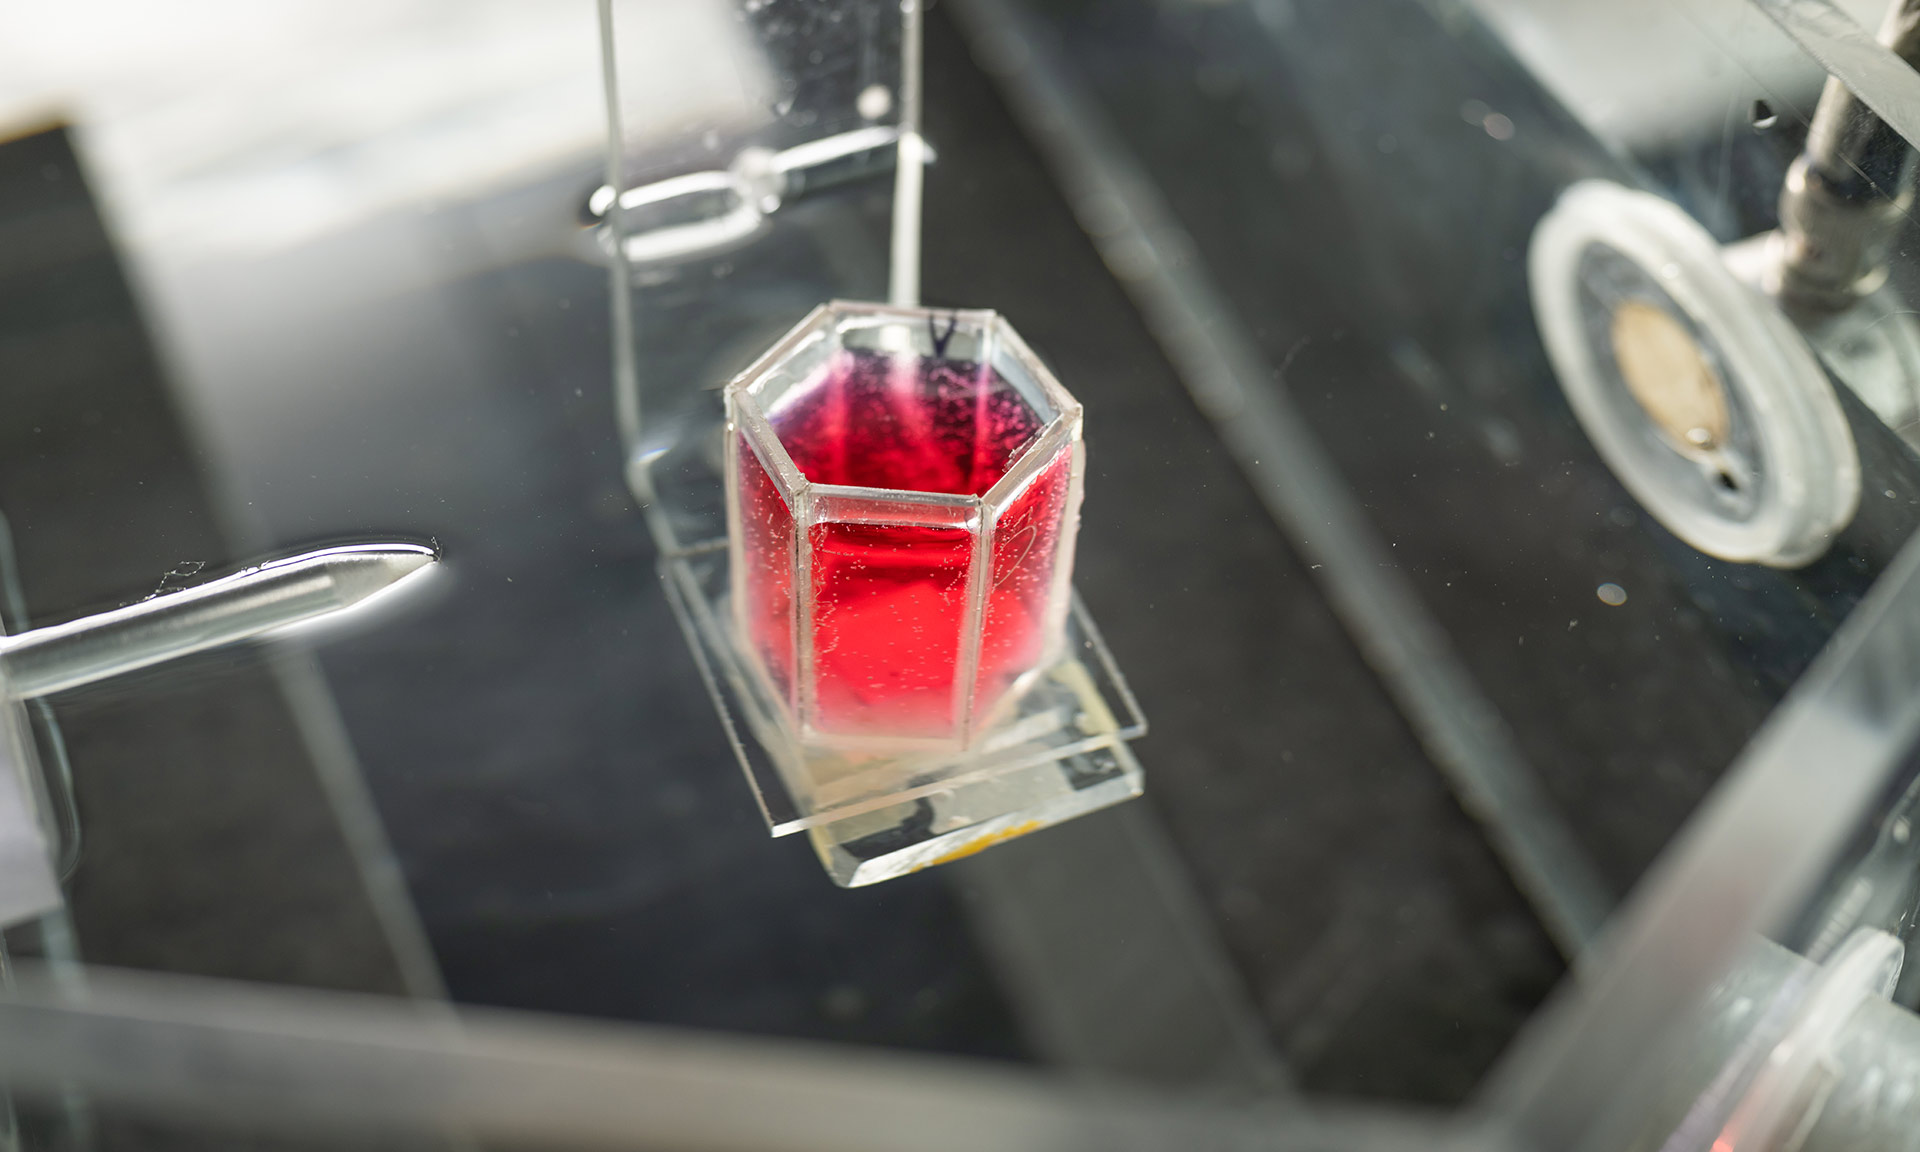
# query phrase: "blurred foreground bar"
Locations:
[[306, 1062]]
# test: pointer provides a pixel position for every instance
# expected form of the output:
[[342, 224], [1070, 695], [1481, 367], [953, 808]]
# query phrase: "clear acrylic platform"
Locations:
[[1059, 751]]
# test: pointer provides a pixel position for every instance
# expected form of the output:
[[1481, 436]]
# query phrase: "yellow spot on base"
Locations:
[[982, 843]]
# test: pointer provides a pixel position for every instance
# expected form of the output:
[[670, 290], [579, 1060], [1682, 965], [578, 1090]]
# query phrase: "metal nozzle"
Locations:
[[235, 607]]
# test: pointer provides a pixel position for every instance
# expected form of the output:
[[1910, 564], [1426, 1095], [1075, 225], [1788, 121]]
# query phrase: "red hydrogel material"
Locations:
[[765, 578], [1026, 546], [914, 423], [890, 601]]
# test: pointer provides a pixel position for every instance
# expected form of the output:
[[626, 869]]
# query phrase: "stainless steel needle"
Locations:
[[218, 612]]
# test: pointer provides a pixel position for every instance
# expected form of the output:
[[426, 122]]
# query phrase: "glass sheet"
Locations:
[[1435, 688]]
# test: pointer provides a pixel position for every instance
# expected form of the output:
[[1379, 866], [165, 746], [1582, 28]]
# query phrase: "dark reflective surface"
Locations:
[[1300, 897]]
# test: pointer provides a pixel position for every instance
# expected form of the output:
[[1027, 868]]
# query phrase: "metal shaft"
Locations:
[[1848, 192], [1846, 140], [219, 612]]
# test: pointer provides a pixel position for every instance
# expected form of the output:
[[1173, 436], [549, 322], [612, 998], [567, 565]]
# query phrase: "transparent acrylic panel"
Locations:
[[556, 808], [792, 366], [889, 617], [1756, 980], [1599, 649], [1030, 553], [704, 81], [1013, 362], [768, 532], [1591, 529], [1758, 971], [1063, 747], [161, 1062], [754, 146]]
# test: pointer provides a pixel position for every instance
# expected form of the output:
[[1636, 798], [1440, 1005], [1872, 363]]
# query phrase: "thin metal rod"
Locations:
[[910, 173], [219, 612], [627, 412]]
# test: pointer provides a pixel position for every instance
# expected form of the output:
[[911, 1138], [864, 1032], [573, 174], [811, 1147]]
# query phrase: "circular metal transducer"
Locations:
[[1701, 397]]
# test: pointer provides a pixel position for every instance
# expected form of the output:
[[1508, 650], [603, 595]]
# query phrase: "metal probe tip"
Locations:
[[245, 604], [360, 570]]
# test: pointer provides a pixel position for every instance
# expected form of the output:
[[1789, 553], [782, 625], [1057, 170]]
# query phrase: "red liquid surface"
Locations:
[[914, 423], [890, 601]]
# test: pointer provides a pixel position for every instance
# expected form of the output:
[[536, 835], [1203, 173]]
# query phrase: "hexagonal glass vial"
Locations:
[[903, 492]]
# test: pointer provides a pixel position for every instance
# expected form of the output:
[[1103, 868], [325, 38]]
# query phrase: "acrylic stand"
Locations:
[[792, 211], [1059, 752]]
